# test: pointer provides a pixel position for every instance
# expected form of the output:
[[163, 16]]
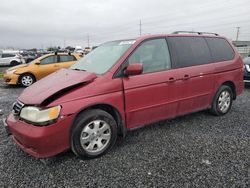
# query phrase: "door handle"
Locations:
[[56, 66], [171, 79], [186, 77]]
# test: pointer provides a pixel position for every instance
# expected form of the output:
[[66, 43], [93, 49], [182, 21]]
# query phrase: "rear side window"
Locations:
[[220, 49], [65, 58], [189, 51]]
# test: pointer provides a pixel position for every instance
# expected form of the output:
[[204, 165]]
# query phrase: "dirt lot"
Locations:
[[196, 150]]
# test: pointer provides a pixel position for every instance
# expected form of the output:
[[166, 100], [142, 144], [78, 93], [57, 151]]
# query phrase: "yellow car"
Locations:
[[27, 74]]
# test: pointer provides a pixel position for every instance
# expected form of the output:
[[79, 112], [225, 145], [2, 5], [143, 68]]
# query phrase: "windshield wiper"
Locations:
[[79, 69]]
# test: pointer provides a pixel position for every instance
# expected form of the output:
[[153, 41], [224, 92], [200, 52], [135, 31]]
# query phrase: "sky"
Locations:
[[44, 23]]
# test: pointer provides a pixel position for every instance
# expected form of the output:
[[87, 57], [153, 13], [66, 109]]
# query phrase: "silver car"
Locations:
[[10, 59]]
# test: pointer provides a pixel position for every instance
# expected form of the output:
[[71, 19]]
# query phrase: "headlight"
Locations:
[[10, 71], [40, 116]]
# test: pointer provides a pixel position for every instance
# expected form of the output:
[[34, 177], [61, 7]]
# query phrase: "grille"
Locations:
[[17, 107]]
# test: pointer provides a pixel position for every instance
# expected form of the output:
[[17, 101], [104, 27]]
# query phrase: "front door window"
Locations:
[[49, 60], [153, 54]]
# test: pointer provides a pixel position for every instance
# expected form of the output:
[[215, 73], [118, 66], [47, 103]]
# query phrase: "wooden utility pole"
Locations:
[[237, 35], [88, 39], [140, 27]]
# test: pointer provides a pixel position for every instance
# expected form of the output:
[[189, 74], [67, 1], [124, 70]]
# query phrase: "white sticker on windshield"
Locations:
[[127, 42]]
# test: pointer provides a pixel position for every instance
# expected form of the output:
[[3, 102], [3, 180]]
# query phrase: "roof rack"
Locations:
[[195, 32]]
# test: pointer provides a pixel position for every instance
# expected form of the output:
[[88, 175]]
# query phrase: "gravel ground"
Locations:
[[196, 150]]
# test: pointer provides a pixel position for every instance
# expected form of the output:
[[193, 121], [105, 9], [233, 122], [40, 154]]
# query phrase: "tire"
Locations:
[[93, 134], [222, 101], [26, 80], [14, 63]]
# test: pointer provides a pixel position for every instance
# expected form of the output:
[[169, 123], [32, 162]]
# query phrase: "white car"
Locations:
[[10, 59]]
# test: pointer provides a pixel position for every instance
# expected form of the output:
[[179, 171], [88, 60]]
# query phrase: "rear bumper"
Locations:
[[11, 79], [41, 142]]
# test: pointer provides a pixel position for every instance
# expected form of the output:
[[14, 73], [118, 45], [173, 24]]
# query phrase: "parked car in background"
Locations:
[[247, 70], [29, 56], [78, 50], [10, 58], [86, 50], [27, 74], [122, 85]]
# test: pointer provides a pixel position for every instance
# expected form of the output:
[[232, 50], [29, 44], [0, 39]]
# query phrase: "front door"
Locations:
[[152, 95], [47, 66]]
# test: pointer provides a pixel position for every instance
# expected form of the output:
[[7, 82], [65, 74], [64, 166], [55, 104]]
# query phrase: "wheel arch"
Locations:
[[232, 86], [114, 112]]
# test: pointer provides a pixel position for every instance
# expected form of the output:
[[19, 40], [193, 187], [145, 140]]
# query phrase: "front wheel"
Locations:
[[222, 101], [26, 80], [93, 133]]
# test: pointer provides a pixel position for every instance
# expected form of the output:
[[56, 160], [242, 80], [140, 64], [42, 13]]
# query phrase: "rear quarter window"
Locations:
[[189, 51], [220, 49]]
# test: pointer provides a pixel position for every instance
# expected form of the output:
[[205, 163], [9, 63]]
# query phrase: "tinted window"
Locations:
[[8, 55], [189, 51], [49, 60], [64, 58], [220, 49], [153, 54]]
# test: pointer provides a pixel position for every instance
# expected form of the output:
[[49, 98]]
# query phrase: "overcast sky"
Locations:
[[43, 23]]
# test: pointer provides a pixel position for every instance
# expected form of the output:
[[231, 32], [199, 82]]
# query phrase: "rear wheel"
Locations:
[[26, 80], [93, 134], [222, 101]]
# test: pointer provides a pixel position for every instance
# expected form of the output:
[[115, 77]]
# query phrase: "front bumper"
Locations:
[[11, 79], [41, 142]]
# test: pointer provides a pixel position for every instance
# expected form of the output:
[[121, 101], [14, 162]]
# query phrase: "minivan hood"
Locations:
[[54, 84]]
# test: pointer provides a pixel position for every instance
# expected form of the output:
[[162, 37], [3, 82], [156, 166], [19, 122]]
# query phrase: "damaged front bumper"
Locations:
[[40, 141]]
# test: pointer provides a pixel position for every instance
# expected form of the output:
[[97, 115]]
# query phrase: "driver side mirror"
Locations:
[[133, 69], [37, 63]]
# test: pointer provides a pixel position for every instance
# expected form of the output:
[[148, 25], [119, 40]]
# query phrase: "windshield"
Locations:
[[104, 57]]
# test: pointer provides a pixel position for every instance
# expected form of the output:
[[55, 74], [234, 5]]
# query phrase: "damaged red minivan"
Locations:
[[122, 85]]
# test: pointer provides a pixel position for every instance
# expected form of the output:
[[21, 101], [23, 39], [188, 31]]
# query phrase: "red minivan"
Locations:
[[122, 85]]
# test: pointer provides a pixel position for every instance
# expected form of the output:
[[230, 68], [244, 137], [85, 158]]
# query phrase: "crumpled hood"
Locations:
[[54, 84], [18, 66]]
